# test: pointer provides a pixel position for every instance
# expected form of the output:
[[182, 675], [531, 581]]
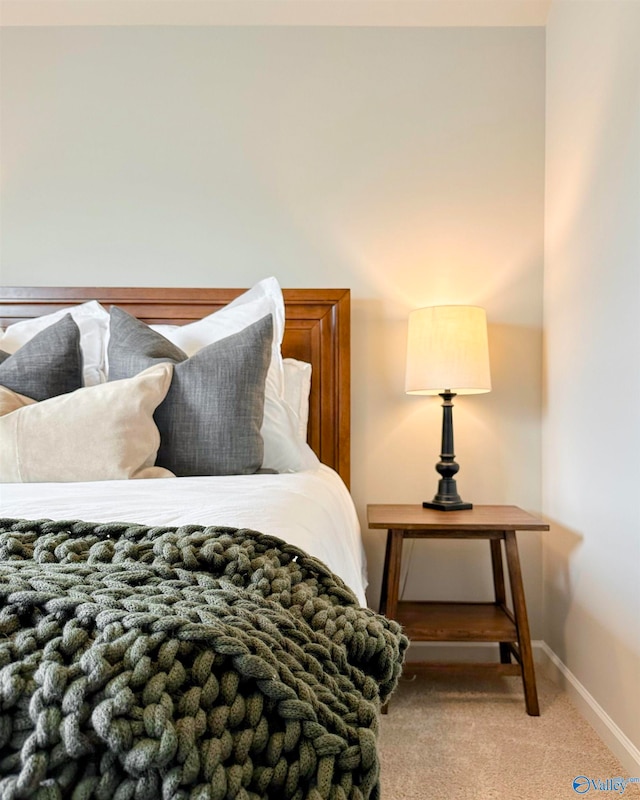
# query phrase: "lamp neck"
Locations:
[[447, 497], [447, 454]]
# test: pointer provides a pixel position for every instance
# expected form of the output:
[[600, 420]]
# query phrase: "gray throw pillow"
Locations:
[[210, 420], [47, 365]]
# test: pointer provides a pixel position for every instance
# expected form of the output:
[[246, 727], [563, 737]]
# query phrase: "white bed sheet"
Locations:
[[311, 509]]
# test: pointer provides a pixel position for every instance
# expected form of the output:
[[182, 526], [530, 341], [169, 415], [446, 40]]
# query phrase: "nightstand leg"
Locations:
[[391, 579], [384, 589], [391, 582], [500, 591], [522, 623]]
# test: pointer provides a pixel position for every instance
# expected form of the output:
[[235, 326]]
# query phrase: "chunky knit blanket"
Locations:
[[197, 662]]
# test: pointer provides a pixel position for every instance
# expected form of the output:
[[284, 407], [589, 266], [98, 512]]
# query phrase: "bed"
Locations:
[[195, 637]]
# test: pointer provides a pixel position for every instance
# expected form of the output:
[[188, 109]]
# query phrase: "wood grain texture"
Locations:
[[455, 622], [500, 592], [479, 518], [317, 330], [483, 669], [522, 621]]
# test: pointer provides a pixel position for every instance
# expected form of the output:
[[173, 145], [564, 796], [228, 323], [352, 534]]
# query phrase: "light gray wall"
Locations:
[[591, 462], [406, 164]]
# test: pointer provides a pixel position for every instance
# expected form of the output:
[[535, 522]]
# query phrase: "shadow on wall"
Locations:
[[597, 653], [559, 545]]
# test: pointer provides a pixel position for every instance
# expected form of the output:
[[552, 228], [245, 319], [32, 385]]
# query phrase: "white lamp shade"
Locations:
[[447, 350]]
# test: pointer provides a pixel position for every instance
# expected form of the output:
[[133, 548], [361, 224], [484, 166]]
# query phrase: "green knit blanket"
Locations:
[[205, 663]]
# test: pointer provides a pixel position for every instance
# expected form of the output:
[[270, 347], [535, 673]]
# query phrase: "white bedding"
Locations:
[[311, 509]]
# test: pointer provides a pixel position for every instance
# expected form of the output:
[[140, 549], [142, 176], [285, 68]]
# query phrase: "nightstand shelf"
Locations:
[[456, 622], [463, 621]]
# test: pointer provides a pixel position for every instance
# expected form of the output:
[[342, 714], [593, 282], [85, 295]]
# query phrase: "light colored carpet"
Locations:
[[461, 737]]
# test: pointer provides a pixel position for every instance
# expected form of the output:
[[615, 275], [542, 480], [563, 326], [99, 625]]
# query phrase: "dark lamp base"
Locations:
[[447, 497], [455, 506]]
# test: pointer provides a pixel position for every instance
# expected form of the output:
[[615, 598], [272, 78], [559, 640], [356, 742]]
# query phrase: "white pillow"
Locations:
[[98, 433], [92, 320], [283, 450], [297, 388]]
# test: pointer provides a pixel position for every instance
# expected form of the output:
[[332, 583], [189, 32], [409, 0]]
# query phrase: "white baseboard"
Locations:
[[615, 739], [554, 669]]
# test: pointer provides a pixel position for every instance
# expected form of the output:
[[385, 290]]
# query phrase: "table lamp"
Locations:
[[447, 354]]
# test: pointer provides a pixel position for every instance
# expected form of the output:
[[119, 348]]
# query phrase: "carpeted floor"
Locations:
[[460, 737]]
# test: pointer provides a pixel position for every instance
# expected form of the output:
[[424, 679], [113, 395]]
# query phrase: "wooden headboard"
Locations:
[[317, 330]]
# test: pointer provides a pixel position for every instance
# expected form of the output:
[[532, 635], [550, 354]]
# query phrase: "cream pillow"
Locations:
[[97, 433], [11, 401]]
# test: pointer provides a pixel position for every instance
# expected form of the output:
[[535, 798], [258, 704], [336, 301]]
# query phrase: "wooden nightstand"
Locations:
[[464, 622]]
